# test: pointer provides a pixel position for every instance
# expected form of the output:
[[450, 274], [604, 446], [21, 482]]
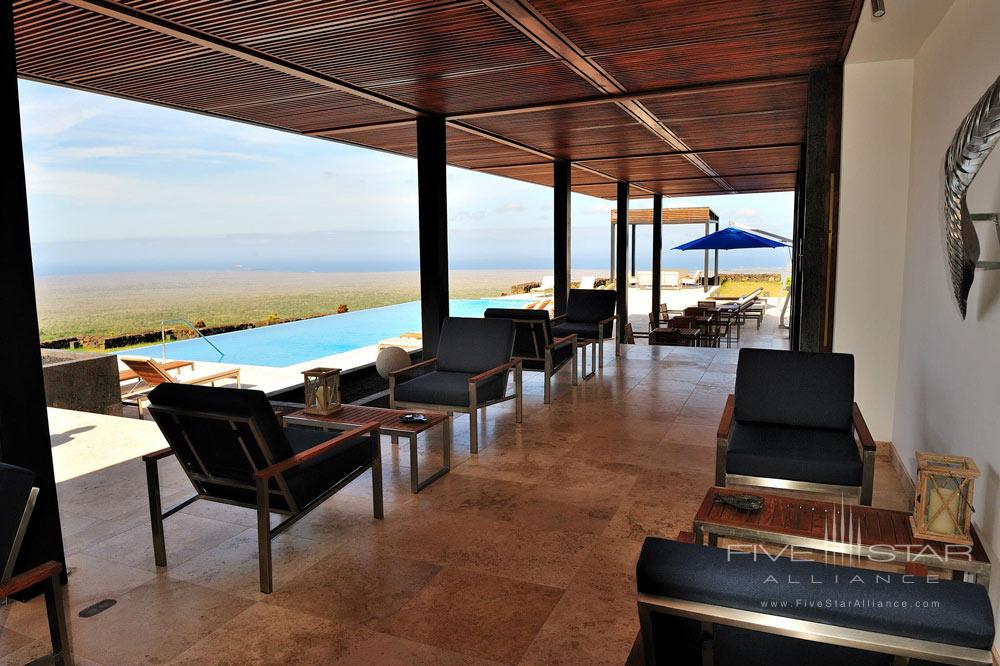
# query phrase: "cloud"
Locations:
[[91, 186], [169, 153], [47, 119]]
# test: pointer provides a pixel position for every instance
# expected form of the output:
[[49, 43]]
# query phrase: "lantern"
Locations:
[[943, 507], [322, 388]]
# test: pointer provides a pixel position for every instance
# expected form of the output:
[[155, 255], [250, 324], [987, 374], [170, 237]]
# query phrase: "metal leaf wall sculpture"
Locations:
[[973, 142]]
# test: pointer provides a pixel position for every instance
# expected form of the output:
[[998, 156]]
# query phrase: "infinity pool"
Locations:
[[299, 341]]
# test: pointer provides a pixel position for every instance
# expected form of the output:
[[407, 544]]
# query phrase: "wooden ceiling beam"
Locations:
[[523, 16], [161, 26]]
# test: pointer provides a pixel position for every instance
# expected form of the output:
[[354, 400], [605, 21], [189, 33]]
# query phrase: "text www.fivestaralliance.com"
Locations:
[[842, 603]]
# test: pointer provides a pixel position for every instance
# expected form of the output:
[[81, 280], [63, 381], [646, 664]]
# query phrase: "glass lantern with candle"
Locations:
[[322, 389], [943, 507]]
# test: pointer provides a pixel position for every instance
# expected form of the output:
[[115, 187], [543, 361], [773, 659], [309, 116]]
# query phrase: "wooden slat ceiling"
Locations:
[[681, 97]]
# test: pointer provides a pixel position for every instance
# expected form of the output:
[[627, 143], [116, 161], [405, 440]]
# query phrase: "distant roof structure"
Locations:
[[693, 98], [690, 215]]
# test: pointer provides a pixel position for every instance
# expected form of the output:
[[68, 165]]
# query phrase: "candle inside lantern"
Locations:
[[320, 396], [947, 521]]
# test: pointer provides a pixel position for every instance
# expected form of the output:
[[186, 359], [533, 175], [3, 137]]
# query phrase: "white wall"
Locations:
[[874, 184], [948, 388], [941, 392]]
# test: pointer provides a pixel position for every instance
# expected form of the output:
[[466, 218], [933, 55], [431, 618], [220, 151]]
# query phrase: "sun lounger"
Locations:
[[587, 282], [151, 374], [545, 289], [671, 280], [692, 280]]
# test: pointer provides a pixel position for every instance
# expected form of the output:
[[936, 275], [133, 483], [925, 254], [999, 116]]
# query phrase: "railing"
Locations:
[[185, 322]]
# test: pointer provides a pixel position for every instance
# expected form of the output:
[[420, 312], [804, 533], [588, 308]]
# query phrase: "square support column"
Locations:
[[561, 223], [24, 426], [433, 223], [818, 239], [621, 260], [657, 254]]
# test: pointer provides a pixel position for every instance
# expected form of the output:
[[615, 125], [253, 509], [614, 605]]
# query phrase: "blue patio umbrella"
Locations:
[[731, 238]]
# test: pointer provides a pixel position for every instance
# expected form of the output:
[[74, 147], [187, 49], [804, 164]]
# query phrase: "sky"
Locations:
[[115, 185]]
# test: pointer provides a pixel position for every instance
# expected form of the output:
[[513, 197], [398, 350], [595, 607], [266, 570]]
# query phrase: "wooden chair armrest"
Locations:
[[30, 578], [319, 449], [562, 342], [864, 434], [609, 320], [726, 423], [494, 371], [558, 318], [409, 368], [158, 455]]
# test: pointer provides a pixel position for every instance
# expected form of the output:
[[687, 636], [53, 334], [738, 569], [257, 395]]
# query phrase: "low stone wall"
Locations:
[[82, 381]]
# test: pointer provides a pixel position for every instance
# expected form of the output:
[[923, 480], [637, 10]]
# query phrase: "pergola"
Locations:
[[649, 98], [648, 216]]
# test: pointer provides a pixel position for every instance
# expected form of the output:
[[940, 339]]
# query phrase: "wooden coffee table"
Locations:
[[861, 531], [390, 424]]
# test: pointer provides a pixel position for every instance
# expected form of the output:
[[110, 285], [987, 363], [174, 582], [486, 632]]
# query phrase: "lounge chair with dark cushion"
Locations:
[[470, 371], [590, 315], [17, 500], [235, 451], [703, 605], [793, 424], [535, 346]]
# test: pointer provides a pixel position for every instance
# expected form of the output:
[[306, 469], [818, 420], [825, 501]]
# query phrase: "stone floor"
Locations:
[[524, 553]]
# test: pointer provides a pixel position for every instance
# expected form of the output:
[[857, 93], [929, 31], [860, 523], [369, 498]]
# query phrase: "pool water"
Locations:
[[281, 345]]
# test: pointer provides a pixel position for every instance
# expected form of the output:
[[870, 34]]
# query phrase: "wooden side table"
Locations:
[[389, 424], [860, 531]]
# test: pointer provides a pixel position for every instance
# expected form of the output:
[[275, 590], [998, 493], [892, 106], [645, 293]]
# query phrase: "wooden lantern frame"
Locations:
[[960, 470], [328, 381]]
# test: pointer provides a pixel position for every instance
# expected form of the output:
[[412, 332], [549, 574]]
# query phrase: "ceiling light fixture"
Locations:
[[878, 8]]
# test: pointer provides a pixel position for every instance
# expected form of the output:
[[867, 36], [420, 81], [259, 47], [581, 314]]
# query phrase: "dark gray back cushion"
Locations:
[[216, 443], [808, 389], [474, 345], [590, 305], [15, 487], [533, 329]]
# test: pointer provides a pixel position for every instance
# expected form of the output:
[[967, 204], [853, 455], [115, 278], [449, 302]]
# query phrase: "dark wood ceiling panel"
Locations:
[[773, 54], [525, 85], [349, 66], [599, 26], [763, 160], [780, 95], [742, 130], [577, 133], [242, 21], [469, 150], [647, 168], [398, 140], [609, 191], [66, 44], [742, 184]]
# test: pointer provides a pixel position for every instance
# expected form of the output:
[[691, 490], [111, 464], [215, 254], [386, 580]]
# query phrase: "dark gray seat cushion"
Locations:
[[15, 488], [583, 330], [314, 477], [797, 454], [848, 597], [808, 389], [449, 388]]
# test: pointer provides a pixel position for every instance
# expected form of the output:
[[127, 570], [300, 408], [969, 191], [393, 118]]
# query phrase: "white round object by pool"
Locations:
[[391, 359]]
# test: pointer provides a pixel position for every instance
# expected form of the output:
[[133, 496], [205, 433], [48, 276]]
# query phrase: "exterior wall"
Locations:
[[874, 183], [82, 381], [948, 388]]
